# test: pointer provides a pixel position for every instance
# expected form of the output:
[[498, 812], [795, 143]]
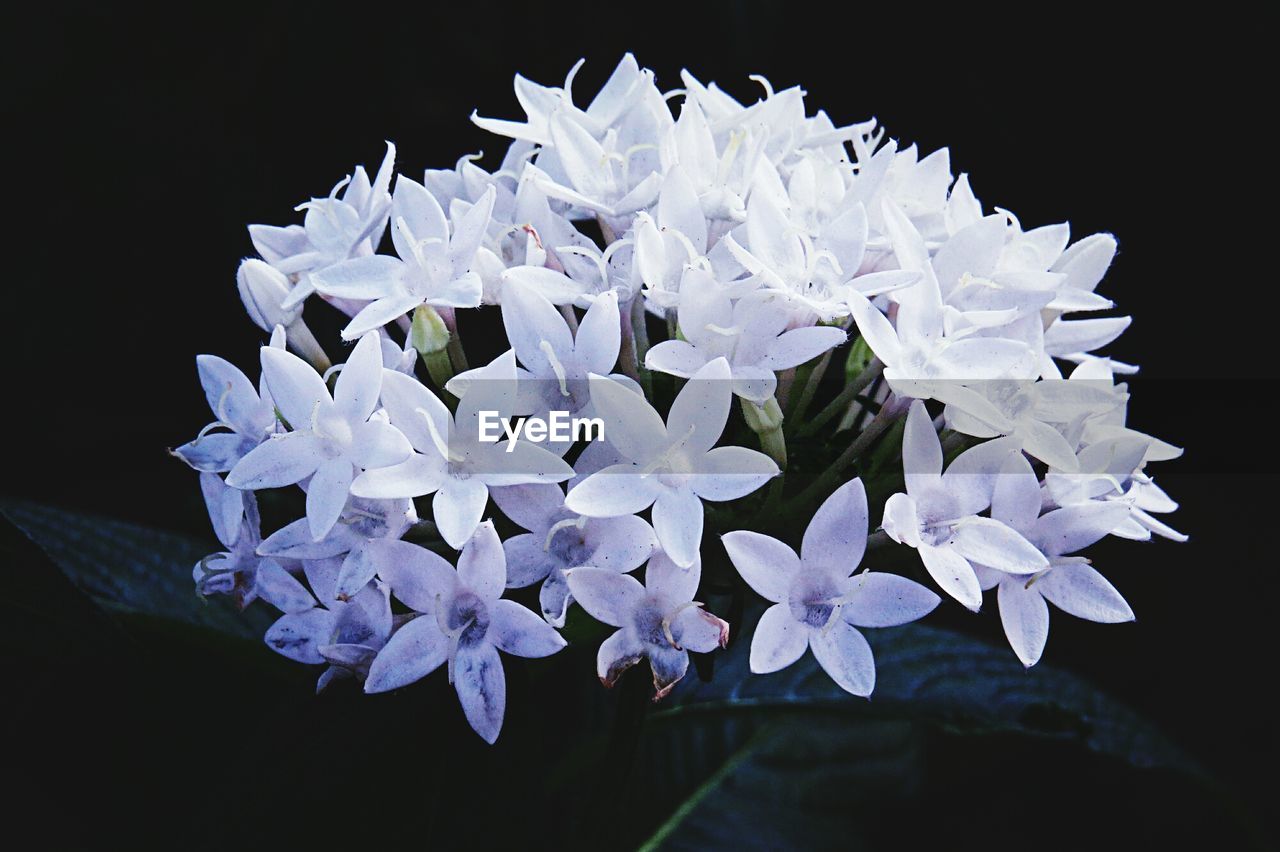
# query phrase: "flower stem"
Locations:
[[837, 405], [627, 361], [640, 336], [889, 412], [457, 356], [811, 386]]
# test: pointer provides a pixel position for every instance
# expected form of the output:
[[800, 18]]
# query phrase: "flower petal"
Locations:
[[298, 635], [355, 393], [844, 654], [278, 462], [606, 595], [779, 640], [677, 521], [921, 449], [1025, 618], [296, 387], [1083, 592], [617, 490], [695, 629], [617, 654], [482, 688], [995, 545], [801, 345], [521, 632], [527, 562], [953, 573], [676, 357], [482, 567], [327, 495], [765, 563], [378, 444], [417, 576], [630, 423], [727, 473], [281, 589], [701, 409], [417, 475], [457, 508], [837, 535], [879, 599], [414, 651]]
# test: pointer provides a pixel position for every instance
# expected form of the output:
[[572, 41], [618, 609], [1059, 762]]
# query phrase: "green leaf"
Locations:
[[796, 747], [943, 677], [131, 569]]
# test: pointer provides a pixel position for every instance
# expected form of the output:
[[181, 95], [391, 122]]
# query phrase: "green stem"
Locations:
[[811, 386], [640, 334], [889, 412], [457, 356], [837, 405]]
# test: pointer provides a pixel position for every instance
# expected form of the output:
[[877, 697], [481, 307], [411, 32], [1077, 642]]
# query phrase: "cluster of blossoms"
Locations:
[[767, 243]]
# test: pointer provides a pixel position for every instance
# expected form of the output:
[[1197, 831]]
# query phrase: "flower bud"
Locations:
[[262, 289], [428, 334]]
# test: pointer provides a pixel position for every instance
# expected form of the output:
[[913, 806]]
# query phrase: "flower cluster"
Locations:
[[790, 262]]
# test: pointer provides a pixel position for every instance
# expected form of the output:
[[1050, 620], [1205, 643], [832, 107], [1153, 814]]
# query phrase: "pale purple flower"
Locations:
[[559, 539], [658, 621], [462, 620], [818, 602], [938, 514], [1070, 582]]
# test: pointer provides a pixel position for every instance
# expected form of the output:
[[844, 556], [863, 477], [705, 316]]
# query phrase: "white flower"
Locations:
[[331, 437], [750, 334], [670, 466], [1038, 413], [815, 272], [559, 539], [334, 229], [557, 361], [1111, 469], [433, 267], [938, 515], [1070, 582], [659, 620], [816, 602], [450, 459], [462, 620]]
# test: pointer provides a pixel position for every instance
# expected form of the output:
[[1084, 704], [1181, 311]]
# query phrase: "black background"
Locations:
[[143, 146]]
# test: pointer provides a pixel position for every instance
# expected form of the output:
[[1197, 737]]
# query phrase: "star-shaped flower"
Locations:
[[450, 459], [433, 266], [557, 361], [1070, 582], [560, 539], [462, 620], [319, 628], [751, 334], [659, 620], [816, 602], [331, 437], [245, 417], [670, 466], [938, 515]]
